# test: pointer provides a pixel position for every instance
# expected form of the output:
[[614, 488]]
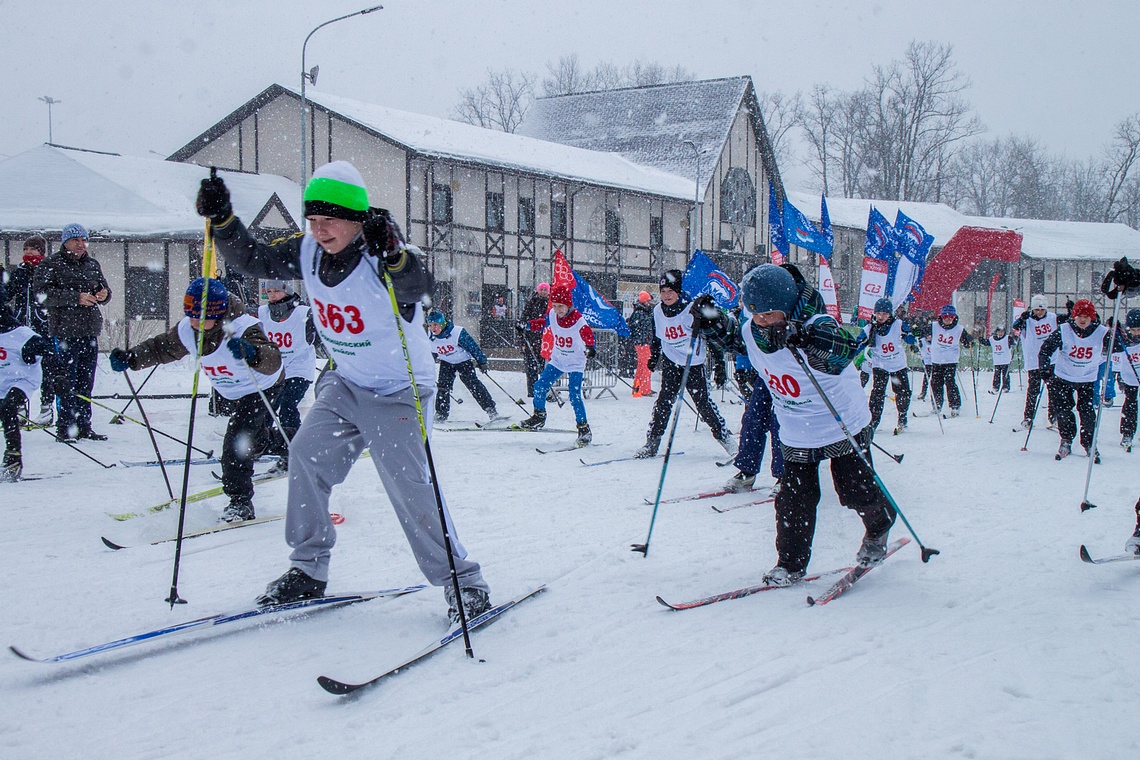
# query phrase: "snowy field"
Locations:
[[1004, 646]]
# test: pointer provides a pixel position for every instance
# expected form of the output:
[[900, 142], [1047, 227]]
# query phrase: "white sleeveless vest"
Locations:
[[1078, 359], [569, 351], [675, 334], [945, 345], [298, 356], [447, 349], [13, 372], [230, 378], [1001, 352], [889, 352], [1036, 331]]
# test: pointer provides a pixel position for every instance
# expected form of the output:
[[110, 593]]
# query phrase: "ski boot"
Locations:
[[1126, 443], [954, 412], [237, 511], [293, 586], [901, 426], [1064, 451], [740, 482], [1095, 454], [781, 576], [534, 422], [44, 418], [1025, 424], [584, 434], [1132, 545], [873, 550], [12, 468], [494, 416], [649, 450], [728, 443], [475, 602]]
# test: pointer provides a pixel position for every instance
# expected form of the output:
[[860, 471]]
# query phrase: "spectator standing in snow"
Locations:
[[30, 312], [641, 333], [530, 343], [74, 288]]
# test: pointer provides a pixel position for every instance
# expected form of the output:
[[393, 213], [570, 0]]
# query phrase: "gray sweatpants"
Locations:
[[344, 420]]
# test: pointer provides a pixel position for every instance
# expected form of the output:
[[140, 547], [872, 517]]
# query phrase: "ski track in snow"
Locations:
[[1003, 646]]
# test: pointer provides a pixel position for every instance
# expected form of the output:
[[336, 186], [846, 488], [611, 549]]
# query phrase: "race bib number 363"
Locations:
[[339, 318]]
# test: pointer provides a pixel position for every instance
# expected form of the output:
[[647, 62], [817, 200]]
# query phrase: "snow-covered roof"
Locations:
[[648, 125], [443, 138], [1041, 239], [47, 187]]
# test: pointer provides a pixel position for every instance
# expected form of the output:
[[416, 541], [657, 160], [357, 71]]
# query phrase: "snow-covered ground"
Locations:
[[1004, 646]]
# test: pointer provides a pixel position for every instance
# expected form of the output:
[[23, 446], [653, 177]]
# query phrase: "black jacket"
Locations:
[[22, 299], [59, 279], [641, 324]]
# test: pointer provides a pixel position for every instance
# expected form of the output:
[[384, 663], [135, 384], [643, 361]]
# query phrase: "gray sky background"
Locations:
[[149, 75]]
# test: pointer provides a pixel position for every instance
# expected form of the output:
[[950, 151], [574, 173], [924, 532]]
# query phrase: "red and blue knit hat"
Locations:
[[217, 300]]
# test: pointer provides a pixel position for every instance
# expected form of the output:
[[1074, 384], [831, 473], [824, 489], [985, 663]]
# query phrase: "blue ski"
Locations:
[[337, 600]]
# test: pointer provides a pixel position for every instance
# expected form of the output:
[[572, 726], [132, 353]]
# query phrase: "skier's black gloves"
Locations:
[[483, 367], [651, 363], [120, 359], [242, 349], [214, 200], [1069, 305], [522, 326], [704, 311], [720, 375], [797, 335], [384, 237], [1046, 372], [1123, 277]]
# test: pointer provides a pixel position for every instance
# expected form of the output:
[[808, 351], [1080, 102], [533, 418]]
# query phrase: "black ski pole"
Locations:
[[1086, 505], [150, 432], [1033, 419], [1001, 389], [897, 457], [676, 412], [118, 418], [929, 374], [387, 279], [27, 421], [148, 427], [977, 360], [516, 401], [927, 552]]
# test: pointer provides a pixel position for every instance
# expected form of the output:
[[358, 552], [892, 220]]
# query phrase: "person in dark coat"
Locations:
[[641, 333], [73, 288], [530, 344], [31, 313]]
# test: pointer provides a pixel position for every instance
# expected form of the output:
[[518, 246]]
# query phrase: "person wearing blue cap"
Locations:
[[458, 354], [72, 288], [887, 337]]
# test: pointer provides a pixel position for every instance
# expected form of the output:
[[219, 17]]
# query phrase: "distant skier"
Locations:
[[888, 338], [1001, 346], [20, 375], [1069, 359], [458, 353], [231, 339], [1035, 325], [946, 341], [786, 312], [288, 322], [672, 340], [1126, 362], [571, 348]]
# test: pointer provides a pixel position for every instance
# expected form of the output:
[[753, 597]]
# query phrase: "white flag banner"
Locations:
[[872, 286], [827, 290]]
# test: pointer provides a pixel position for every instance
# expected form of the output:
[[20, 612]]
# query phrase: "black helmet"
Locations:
[[769, 288]]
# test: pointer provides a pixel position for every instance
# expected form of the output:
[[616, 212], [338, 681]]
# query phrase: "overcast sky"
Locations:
[[149, 75]]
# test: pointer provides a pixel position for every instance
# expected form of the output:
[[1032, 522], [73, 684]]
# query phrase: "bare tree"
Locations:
[[501, 103], [779, 113], [1119, 158], [918, 115], [980, 174], [566, 77], [816, 117], [850, 132]]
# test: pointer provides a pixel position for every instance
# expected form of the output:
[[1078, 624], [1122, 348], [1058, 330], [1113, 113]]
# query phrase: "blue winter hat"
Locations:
[[436, 316], [884, 305], [1133, 318], [72, 231], [770, 288], [947, 311], [217, 300]]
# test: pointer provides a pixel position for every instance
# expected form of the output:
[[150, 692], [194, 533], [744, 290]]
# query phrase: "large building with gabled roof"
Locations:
[[489, 208]]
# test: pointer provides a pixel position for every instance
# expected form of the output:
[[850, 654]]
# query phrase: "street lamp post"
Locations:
[[696, 184], [50, 102], [311, 76]]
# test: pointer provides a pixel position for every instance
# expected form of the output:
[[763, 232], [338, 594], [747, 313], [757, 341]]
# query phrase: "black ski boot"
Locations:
[[293, 586], [649, 450], [475, 603], [534, 422], [237, 511], [12, 468], [584, 434]]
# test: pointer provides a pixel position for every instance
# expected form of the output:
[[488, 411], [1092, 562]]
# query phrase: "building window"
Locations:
[[147, 293], [441, 204], [558, 219], [526, 216], [496, 214], [1036, 282], [613, 227], [656, 232]]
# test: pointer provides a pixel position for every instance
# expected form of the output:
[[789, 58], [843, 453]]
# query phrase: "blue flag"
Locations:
[[703, 276], [880, 237], [776, 223], [598, 311], [825, 225], [913, 243], [800, 231]]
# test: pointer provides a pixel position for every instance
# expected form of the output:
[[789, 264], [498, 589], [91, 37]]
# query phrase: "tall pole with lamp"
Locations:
[[311, 76], [50, 102], [696, 191]]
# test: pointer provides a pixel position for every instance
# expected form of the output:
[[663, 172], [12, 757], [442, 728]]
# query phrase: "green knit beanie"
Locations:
[[337, 190]]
